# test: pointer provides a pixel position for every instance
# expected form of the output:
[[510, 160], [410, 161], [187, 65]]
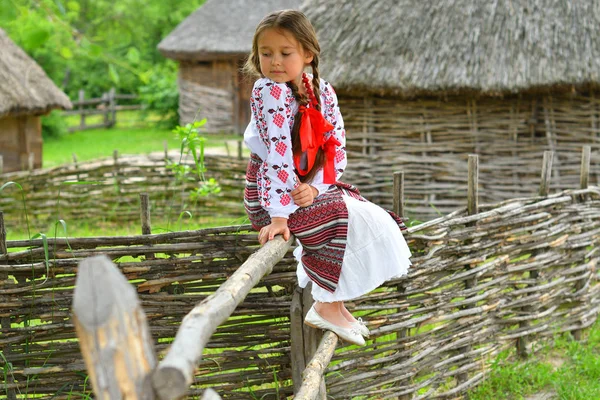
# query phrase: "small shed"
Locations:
[[211, 46], [26, 93], [423, 84]]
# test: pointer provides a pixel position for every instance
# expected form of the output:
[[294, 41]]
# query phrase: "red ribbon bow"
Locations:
[[313, 127]]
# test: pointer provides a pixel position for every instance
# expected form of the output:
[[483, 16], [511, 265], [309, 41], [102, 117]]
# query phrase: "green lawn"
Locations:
[[569, 369], [131, 135]]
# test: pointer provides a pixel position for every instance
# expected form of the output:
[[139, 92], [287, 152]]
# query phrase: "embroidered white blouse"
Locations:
[[268, 135]]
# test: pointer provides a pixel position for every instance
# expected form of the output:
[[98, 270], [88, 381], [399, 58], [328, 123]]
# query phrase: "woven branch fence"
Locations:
[[433, 184], [520, 270]]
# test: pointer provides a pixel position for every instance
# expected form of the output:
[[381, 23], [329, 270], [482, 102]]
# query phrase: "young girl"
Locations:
[[348, 246]]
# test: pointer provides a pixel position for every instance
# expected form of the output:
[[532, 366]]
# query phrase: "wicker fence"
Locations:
[[516, 271], [430, 188]]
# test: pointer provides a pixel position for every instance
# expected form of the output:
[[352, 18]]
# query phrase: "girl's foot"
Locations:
[[332, 312], [352, 335], [356, 323]]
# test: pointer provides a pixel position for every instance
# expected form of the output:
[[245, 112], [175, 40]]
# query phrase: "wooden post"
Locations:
[[1, 164], [584, 177], [239, 150], [297, 339], [473, 185], [145, 214], [399, 193], [312, 336], [472, 209], [113, 333], [546, 173], [112, 107], [76, 165], [104, 103], [583, 184], [3, 250], [522, 342], [11, 394], [305, 339], [31, 161], [145, 219], [398, 208], [82, 115], [166, 147]]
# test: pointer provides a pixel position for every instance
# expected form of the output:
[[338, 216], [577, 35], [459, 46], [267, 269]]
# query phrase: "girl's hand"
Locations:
[[304, 195], [277, 226]]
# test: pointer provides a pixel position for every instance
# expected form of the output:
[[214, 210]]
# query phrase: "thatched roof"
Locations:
[[219, 29], [24, 86], [491, 47]]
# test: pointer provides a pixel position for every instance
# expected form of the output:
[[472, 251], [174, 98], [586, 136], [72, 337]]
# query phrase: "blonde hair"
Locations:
[[295, 23]]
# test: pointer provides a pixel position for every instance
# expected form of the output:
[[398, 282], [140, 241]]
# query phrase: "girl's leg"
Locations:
[[332, 312]]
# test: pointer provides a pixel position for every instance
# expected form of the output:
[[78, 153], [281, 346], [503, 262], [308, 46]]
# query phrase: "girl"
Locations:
[[348, 246]]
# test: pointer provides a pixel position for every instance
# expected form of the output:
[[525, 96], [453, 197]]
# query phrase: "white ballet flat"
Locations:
[[351, 335], [360, 325]]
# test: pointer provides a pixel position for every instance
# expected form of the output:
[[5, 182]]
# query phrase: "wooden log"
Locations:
[[113, 333], [313, 374], [176, 371]]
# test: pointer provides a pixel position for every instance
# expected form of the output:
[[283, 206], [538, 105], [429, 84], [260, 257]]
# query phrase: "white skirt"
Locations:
[[375, 252]]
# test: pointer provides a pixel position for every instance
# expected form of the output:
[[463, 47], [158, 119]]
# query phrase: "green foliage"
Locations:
[[94, 44], [193, 145], [53, 125], [161, 96]]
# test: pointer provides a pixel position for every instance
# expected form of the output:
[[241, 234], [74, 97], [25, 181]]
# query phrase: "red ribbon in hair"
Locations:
[[313, 127]]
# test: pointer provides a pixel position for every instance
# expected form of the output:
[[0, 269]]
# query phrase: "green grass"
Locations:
[[568, 368], [131, 135]]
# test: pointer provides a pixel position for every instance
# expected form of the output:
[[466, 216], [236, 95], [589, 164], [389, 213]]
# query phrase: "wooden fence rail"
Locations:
[[106, 105]]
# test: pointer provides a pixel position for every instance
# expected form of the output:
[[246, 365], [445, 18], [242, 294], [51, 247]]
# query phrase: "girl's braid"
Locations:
[[316, 82], [300, 98]]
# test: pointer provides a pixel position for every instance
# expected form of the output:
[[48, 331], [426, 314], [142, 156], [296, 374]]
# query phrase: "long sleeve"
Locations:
[[331, 112], [271, 105]]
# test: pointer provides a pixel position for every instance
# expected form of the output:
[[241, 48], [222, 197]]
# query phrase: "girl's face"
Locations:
[[282, 58]]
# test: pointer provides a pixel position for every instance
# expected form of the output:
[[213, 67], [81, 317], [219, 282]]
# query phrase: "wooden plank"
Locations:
[[113, 334]]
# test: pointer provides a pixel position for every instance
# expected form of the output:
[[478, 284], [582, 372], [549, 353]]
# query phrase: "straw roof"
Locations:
[[24, 86], [409, 47], [219, 29]]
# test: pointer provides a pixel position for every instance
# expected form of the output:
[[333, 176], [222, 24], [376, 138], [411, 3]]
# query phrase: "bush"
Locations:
[[161, 96], [53, 125]]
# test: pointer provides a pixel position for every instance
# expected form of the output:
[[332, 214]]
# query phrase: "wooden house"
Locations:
[[210, 46], [26, 93]]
